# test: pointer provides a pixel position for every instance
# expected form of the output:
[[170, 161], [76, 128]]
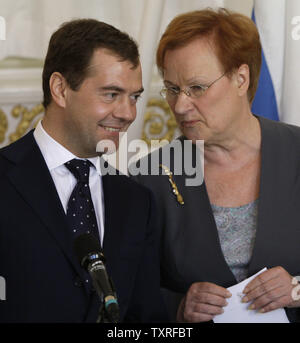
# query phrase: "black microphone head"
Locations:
[[86, 245]]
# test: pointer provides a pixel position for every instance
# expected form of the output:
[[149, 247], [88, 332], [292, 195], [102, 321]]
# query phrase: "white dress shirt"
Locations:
[[56, 156]]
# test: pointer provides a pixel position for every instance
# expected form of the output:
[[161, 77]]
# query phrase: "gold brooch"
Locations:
[[173, 184]]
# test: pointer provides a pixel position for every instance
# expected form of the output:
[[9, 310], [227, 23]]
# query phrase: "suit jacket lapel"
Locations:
[[31, 177], [117, 204], [114, 208], [114, 205], [203, 232], [276, 188]]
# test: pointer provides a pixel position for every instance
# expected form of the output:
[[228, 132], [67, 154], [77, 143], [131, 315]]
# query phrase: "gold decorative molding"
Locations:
[[26, 121], [3, 126], [159, 121]]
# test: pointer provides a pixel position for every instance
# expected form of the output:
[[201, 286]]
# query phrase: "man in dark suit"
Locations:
[[91, 82]]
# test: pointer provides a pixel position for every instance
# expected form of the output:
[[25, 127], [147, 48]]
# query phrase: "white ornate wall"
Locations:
[[21, 91], [20, 102]]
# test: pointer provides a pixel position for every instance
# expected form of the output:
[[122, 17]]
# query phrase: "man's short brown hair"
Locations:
[[72, 46]]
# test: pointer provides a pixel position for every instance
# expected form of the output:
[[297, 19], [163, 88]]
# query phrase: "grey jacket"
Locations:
[[190, 247]]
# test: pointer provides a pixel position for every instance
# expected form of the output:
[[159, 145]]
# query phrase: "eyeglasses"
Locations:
[[195, 91]]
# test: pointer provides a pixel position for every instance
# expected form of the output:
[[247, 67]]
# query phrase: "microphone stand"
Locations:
[[102, 317]]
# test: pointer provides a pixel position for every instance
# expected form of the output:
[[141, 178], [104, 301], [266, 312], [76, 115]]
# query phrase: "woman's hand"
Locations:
[[203, 301], [271, 290]]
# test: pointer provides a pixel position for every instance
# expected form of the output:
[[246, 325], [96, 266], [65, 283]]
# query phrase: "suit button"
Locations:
[[77, 282]]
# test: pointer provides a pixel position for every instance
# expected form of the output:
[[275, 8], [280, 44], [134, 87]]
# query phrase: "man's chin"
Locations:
[[106, 147]]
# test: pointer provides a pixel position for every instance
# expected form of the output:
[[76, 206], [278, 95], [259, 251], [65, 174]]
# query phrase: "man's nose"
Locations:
[[125, 110]]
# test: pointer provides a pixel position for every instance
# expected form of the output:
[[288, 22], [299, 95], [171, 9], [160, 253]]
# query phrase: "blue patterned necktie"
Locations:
[[80, 210]]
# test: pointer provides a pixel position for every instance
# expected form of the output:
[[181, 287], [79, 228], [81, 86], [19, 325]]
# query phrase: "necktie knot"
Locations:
[[80, 169]]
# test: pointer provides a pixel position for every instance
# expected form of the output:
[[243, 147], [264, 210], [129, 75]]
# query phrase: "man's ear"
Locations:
[[243, 79], [58, 88]]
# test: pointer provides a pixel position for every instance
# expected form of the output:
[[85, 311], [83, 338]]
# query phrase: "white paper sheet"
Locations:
[[237, 312]]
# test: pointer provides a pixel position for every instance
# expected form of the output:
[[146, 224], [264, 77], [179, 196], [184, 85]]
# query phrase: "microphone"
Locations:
[[91, 258]]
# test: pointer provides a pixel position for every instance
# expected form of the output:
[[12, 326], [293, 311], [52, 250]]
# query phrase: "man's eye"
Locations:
[[134, 98], [110, 96]]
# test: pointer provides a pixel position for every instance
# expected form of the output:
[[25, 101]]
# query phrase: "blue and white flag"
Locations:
[[278, 93]]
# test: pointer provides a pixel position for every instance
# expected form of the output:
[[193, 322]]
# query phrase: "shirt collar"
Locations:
[[54, 153]]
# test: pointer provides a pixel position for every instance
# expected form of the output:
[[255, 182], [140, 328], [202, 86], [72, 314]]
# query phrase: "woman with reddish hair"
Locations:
[[245, 215]]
